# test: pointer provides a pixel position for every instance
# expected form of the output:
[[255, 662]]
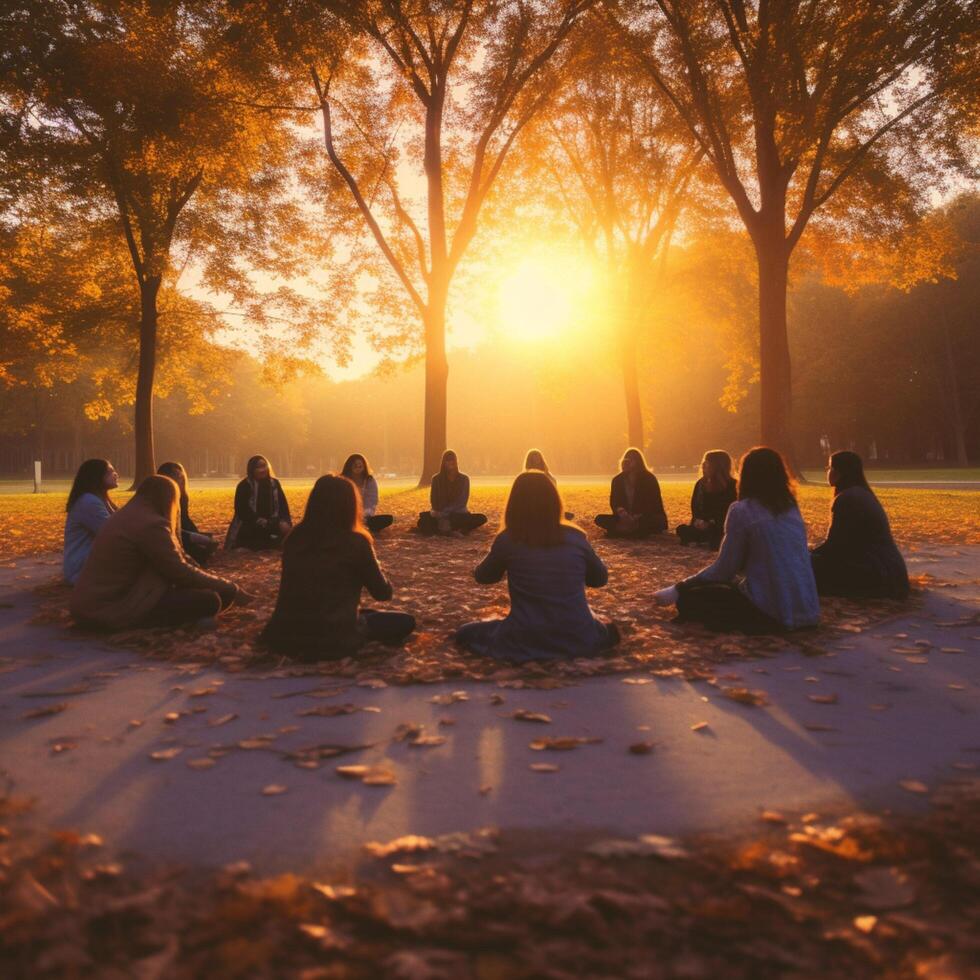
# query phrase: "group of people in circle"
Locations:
[[144, 564]]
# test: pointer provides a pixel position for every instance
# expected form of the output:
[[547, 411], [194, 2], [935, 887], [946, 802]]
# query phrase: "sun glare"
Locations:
[[543, 297]]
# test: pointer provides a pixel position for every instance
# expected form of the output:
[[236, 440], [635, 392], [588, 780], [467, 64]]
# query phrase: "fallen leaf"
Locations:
[[562, 743], [49, 709], [913, 786], [865, 923], [744, 695], [273, 789], [334, 893], [522, 714], [449, 698], [409, 844], [162, 755], [203, 763], [642, 748], [331, 710], [648, 845], [542, 767], [427, 741], [772, 816], [368, 775], [822, 698], [637, 680], [701, 726]]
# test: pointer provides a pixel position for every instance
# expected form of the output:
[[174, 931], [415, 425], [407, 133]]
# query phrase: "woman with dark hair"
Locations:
[[326, 561], [261, 510], [199, 546], [636, 502], [356, 470], [137, 573], [713, 494], [88, 508], [548, 565], [761, 581], [859, 558], [448, 496]]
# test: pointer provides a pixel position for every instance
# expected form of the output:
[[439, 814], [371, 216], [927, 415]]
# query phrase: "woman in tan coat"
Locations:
[[136, 573]]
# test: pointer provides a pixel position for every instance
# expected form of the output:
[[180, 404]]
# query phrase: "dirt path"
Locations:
[[907, 708]]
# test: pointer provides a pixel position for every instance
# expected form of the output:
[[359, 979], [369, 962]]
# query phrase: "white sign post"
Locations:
[[37, 476]]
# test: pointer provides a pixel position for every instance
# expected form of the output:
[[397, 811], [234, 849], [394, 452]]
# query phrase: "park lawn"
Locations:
[[32, 524]]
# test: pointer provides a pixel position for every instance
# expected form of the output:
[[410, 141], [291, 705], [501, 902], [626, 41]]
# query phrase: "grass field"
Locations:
[[33, 523]]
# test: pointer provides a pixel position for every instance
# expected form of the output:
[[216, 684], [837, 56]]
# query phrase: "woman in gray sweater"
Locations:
[[761, 581], [548, 565]]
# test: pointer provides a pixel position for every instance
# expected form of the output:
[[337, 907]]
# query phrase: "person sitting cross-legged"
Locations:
[[326, 561], [548, 565], [196, 543], [89, 507], [636, 502], [357, 470], [137, 573], [713, 494], [449, 496], [761, 581], [859, 559], [262, 518]]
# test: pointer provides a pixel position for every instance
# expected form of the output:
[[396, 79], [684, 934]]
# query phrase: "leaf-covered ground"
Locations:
[[809, 895], [433, 580]]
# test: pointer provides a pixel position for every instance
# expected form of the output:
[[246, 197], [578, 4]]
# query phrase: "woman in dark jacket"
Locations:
[[548, 565], [261, 510], [859, 558], [448, 497], [326, 561], [713, 494], [635, 499], [196, 544]]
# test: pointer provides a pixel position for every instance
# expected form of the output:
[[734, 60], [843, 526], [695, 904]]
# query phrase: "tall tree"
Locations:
[[622, 168], [792, 99], [421, 104], [135, 107]]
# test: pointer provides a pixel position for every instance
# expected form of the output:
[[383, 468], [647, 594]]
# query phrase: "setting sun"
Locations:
[[543, 296]]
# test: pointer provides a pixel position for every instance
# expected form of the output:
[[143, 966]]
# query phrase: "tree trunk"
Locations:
[[772, 254], [145, 463], [436, 380], [631, 384], [953, 392]]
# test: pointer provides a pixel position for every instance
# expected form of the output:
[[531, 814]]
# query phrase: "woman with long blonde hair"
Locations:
[[548, 565], [635, 498]]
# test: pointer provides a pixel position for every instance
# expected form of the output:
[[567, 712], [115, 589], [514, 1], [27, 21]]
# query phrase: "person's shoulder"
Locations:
[[90, 501], [854, 495], [575, 537]]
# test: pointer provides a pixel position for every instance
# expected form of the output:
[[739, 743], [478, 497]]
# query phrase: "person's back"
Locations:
[[135, 560], [547, 584], [776, 562], [861, 539], [321, 588]]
